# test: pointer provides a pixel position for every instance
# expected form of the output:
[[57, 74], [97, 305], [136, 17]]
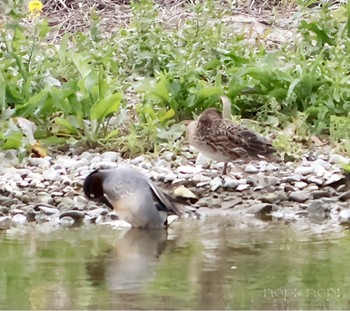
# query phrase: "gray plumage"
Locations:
[[132, 195]]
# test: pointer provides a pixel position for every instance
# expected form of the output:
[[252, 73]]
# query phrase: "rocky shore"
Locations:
[[49, 190]]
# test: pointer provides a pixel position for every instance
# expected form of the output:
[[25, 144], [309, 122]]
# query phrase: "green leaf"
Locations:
[[168, 115], [13, 141], [105, 106], [66, 124], [210, 91]]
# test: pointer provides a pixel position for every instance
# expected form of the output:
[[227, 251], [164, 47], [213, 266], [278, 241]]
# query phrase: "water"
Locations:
[[215, 264]]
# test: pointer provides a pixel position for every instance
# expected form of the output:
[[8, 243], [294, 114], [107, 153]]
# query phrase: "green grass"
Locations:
[[130, 91]]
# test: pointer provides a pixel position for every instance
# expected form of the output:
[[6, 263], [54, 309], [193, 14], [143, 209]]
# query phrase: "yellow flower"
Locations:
[[35, 7]]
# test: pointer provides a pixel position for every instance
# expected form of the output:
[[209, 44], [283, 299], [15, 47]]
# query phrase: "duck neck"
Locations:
[[226, 107]]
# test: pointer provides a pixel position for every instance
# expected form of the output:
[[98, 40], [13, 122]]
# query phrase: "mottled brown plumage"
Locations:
[[224, 141]]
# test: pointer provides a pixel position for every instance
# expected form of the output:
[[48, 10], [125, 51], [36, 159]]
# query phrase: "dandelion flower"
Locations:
[[35, 7]]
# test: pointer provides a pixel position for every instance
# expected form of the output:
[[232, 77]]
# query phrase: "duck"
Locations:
[[134, 197], [215, 136]]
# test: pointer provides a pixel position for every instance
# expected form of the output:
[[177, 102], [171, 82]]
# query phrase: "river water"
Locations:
[[212, 264]]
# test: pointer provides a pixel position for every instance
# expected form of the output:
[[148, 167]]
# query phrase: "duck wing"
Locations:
[[165, 202], [246, 141]]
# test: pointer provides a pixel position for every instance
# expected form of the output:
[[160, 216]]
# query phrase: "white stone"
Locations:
[[215, 183], [338, 159], [303, 170], [170, 177], [19, 219], [111, 156], [187, 169], [242, 187], [39, 162], [230, 182], [300, 185], [201, 178], [52, 175], [250, 168]]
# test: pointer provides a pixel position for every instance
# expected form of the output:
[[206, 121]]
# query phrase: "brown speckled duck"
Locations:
[[215, 136]]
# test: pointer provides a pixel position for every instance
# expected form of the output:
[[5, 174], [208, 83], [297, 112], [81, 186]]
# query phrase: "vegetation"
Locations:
[[131, 90]]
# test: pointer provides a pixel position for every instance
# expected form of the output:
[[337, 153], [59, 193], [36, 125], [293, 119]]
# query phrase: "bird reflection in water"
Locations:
[[132, 262]]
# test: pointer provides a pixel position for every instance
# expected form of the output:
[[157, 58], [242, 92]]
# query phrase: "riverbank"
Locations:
[[312, 191]]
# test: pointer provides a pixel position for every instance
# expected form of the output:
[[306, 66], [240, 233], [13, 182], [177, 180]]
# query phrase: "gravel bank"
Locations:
[[49, 190]]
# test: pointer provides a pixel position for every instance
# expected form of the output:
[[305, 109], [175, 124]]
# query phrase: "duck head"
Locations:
[[93, 188], [210, 115]]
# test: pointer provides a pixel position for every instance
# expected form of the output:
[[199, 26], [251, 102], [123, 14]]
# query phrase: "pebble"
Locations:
[[345, 196], [259, 209], [338, 159], [47, 210], [230, 182], [76, 215], [5, 222], [242, 187], [66, 221], [251, 169], [299, 196], [19, 219], [303, 170], [300, 185], [52, 175], [344, 217], [39, 162], [215, 183]]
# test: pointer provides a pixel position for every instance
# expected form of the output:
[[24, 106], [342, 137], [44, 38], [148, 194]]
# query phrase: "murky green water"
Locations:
[[200, 265]]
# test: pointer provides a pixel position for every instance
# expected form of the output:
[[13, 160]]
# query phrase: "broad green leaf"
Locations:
[[294, 83], [168, 115], [105, 107], [13, 141], [66, 124], [83, 67], [111, 134], [210, 91]]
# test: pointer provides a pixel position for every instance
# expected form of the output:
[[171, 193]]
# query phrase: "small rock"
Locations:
[[250, 168], [318, 194], [183, 192], [338, 159], [19, 219], [78, 216], [215, 183], [111, 156], [344, 217], [231, 203], [259, 209], [25, 199], [345, 196], [5, 222], [318, 208], [47, 210], [52, 175], [274, 197], [300, 196], [9, 202], [39, 162], [201, 178], [187, 169], [335, 179], [230, 182], [170, 177], [300, 185], [303, 170], [138, 160], [242, 187], [66, 221]]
